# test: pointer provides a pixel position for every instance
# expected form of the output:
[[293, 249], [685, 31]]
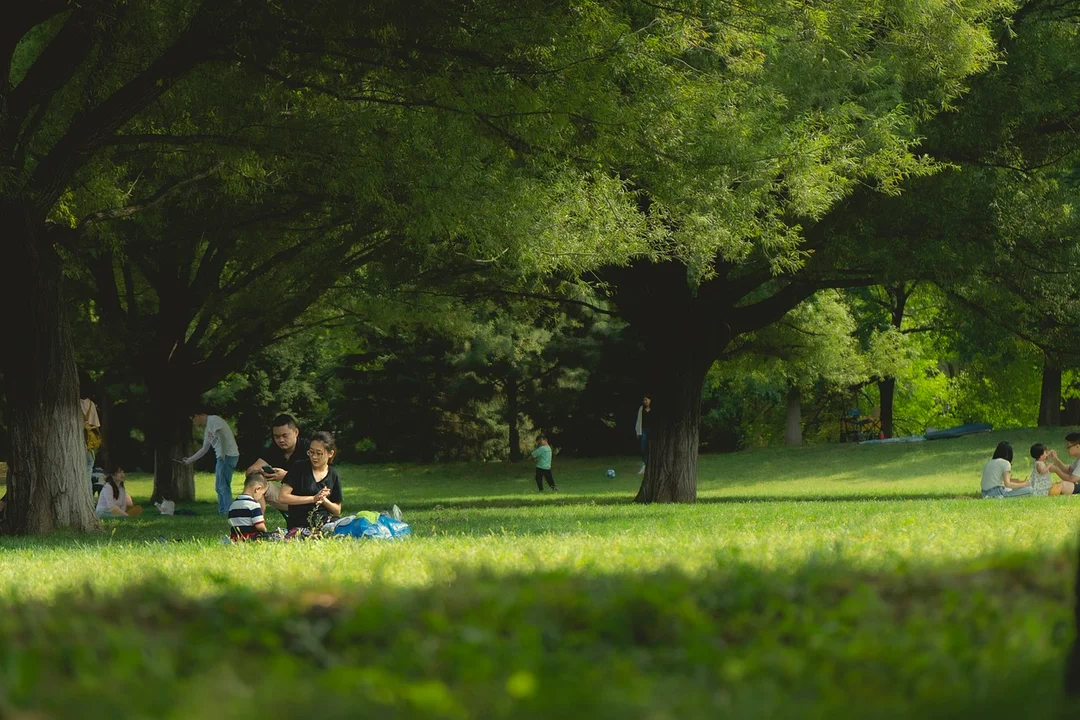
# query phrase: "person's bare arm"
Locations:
[[1009, 483], [322, 499], [287, 498], [332, 507]]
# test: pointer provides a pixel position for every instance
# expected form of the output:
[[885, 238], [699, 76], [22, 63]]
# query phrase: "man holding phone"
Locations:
[[275, 459]]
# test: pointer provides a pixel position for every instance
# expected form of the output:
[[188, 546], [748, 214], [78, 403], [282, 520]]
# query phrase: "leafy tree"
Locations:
[[812, 348], [739, 199], [454, 144]]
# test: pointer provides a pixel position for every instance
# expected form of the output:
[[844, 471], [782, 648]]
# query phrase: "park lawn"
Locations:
[[839, 581]]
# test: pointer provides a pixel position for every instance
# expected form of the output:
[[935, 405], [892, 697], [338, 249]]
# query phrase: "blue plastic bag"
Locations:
[[385, 529]]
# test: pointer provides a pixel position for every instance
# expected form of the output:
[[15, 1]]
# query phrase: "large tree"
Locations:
[[72, 76], [481, 105], [790, 112]]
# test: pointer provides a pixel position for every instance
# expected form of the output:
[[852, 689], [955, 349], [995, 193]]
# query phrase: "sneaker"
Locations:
[[554, 489]]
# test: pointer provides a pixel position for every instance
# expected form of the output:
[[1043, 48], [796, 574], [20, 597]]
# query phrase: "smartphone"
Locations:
[[268, 468]]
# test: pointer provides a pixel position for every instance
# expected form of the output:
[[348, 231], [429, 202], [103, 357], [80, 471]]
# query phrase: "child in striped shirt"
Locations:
[[246, 512]]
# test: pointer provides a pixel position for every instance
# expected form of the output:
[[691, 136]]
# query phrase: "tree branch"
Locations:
[[156, 199], [213, 25]]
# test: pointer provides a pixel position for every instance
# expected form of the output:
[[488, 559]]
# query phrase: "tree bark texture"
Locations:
[[671, 471], [48, 480], [172, 440], [1050, 394], [793, 431]]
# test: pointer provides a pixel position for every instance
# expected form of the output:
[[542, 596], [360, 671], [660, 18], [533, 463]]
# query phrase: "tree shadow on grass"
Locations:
[[666, 639], [564, 500]]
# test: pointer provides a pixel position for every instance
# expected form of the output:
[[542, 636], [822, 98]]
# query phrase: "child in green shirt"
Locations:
[[542, 453]]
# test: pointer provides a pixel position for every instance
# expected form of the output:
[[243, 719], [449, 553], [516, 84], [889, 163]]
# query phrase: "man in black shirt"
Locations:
[[286, 448]]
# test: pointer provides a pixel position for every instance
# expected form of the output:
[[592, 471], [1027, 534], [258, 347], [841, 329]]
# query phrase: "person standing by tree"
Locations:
[[218, 435], [91, 426], [286, 448], [642, 430]]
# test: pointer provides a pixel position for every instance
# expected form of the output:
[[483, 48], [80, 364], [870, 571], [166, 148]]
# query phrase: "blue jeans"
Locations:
[[644, 446], [223, 472], [1000, 492]]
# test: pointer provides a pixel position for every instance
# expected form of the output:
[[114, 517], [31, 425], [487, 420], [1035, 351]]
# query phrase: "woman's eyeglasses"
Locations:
[[316, 453]]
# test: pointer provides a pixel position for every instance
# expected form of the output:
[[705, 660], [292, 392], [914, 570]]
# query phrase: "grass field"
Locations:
[[838, 581]]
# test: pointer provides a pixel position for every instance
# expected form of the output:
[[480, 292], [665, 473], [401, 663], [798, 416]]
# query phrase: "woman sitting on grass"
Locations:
[[114, 500], [997, 479], [312, 490]]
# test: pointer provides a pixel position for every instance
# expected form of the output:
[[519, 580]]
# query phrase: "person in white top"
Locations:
[[114, 501], [218, 435]]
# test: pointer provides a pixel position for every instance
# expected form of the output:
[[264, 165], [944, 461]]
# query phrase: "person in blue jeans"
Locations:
[[997, 479], [217, 435]]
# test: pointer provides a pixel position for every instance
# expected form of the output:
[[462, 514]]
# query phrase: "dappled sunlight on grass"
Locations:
[[803, 581]]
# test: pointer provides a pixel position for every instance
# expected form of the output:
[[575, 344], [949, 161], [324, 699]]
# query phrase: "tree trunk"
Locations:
[[1070, 416], [793, 431], [678, 377], [512, 419], [48, 481], [171, 440], [1050, 395], [887, 391]]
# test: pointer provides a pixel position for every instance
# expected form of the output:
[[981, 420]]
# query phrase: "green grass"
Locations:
[[838, 581]]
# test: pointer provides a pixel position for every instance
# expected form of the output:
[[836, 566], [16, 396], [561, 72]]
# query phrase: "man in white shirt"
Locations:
[[217, 435]]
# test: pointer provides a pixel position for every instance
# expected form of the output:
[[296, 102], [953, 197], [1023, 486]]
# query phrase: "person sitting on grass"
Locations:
[[312, 490], [114, 500], [997, 479], [1069, 474], [542, 453], [1042, 475], [246, 520]]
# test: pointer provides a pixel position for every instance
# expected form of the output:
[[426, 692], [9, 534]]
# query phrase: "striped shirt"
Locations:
[[244, 514]]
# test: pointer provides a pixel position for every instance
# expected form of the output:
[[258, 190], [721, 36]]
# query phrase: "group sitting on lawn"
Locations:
[[997, 480], [310, 492]]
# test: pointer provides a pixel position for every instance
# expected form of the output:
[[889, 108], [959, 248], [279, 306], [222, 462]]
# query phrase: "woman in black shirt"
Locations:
[[312, 490]]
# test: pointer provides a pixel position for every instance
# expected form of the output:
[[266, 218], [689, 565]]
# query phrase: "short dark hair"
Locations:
[[541, 437], [327, 439], [255, 479], [1073, 438], [1003, 451], [199, 409], [1037, 450], [285, 421]]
